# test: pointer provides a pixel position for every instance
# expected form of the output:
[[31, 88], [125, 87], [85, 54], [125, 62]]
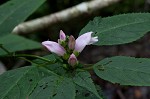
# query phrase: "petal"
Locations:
[[82, 41], [62, 35], [54, 47], [72, 60], [93, 40]]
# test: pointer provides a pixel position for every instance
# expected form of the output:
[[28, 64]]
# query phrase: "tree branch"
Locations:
[[62, 16]]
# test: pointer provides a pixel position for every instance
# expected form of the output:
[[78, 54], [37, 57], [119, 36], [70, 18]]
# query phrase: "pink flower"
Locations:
[[54, 47], [83, 40], [72, 60], [76, 45]]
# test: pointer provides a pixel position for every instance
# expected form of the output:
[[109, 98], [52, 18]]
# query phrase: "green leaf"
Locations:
[[84, 80], [19, 83], [17, 43], [55, 67], [54, 87], [14, 12], [124, 70], [82, 93], [119, 29], [40, 83]]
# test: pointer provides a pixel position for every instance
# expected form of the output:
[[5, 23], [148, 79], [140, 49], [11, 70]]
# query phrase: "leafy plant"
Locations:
[[61, 75], [12, 13]]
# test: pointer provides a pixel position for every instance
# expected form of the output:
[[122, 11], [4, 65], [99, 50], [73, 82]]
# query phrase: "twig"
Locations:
[[120, 94], [62, 16]]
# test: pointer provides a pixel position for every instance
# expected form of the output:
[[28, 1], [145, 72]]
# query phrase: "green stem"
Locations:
[[33, 56], [22, 55], [27, 55], [45, 69], [91, 67], [88, 65], [27, 60], [88, 68]]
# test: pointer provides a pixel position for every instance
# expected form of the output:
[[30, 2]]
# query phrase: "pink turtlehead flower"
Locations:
[[83, 40], [72, 60], [76, 45], [54, 47]]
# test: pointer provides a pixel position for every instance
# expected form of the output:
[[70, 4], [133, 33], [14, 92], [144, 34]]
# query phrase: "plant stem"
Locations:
[[23, 55], [33, 56], [27, 55], [88, 65], [44, 68], [27, 60], [88, 68]]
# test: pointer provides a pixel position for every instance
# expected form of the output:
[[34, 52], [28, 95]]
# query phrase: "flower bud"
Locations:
[[72, 60], [62, 36], [71, 43]]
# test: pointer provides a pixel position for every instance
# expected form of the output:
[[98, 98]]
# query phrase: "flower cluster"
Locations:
[[69, 48]]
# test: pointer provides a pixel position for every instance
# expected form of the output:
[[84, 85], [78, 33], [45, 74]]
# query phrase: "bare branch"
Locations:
[[62, 16]]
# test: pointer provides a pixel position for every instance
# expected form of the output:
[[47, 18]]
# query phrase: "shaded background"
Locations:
[[92, 54]]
